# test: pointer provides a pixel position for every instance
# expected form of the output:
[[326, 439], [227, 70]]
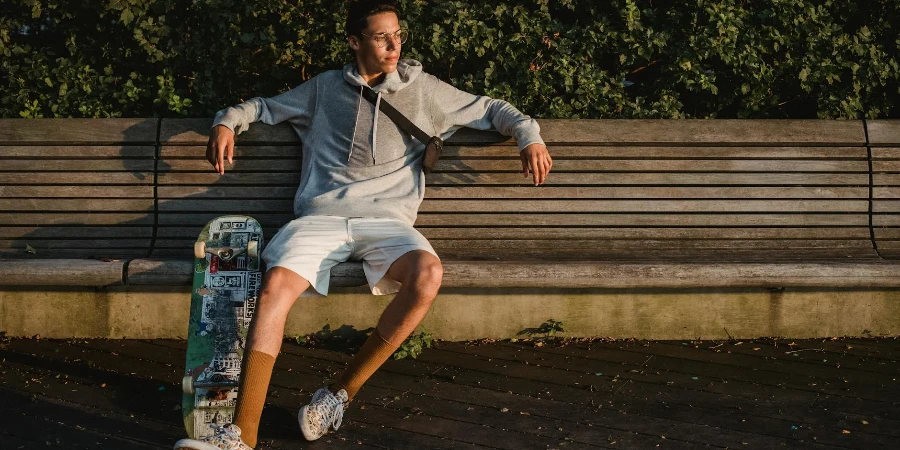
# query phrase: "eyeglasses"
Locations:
[[381, 38]]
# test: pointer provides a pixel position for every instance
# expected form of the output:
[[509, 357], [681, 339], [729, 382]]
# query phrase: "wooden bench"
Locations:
[[630, 203]]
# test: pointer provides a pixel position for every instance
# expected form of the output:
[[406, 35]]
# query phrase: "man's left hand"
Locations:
[[536, 159]]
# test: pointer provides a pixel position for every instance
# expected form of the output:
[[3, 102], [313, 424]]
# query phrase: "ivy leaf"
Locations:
[[127, 16]]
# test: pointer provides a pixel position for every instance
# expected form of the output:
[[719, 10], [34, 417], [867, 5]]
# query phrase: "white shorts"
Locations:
[[310, 246]]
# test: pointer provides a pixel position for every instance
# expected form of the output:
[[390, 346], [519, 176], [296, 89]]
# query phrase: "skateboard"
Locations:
[[226, 285]]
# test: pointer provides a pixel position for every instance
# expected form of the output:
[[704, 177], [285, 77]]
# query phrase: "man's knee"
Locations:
[[280, 284], [427, 273]]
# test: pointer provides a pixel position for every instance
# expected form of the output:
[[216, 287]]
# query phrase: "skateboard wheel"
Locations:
[[187, 385], [200, 250], [253, 249]]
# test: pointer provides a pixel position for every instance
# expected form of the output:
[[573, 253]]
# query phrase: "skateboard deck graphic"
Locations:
[[226, 285]]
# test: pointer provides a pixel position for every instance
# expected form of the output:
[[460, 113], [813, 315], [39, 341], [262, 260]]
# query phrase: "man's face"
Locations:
[[371, 58]]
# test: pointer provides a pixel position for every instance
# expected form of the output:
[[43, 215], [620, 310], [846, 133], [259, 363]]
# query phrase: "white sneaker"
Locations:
[[225, 438], [325, 410]]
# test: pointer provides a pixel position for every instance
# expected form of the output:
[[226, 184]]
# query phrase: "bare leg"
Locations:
[[280, 290], [420, 273]]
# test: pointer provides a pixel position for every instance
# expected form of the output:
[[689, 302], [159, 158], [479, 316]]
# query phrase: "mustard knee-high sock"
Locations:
[[255, 376], [371, 356]]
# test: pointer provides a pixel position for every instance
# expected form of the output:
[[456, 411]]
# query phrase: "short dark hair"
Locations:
[[359, 12]]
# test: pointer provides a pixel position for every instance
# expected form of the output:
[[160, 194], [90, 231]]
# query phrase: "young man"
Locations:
[[360, 190]]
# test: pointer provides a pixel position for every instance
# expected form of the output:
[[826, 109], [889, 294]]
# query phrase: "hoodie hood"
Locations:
[[407, 71]]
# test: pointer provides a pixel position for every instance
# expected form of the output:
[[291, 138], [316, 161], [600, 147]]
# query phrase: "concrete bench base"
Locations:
[[471, 313]]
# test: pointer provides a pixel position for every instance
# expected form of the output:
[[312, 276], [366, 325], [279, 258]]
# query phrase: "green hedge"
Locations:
[[554, 59]]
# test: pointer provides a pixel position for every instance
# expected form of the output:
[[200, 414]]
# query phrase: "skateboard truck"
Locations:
[[226, 253], [189, 385]]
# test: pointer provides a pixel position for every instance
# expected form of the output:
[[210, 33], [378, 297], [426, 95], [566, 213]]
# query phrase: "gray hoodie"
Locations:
[[357, 165]]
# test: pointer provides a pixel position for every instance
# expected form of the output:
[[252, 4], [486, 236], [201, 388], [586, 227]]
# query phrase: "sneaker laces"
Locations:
[[327, 412], [228, 435]]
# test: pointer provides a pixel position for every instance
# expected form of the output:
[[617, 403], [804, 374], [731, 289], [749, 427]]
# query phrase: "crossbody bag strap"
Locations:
[[397, 116]]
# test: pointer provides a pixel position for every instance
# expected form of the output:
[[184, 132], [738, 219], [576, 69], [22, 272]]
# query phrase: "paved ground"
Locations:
[[762, 394]]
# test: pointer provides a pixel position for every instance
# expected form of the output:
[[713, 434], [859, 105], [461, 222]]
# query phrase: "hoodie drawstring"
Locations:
[[375, 126], [353, 139]]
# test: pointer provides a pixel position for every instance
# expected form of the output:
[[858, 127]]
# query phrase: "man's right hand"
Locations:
[[220, 145]]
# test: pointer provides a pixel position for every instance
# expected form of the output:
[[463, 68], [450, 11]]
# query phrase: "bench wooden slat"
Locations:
[[190, 233], [271, 166], [76, 178], [637, 192], [562, 220], [200, 219], [879, 179], [78, 152], [654, 165], [621, 275], [884, 132], [641, 220], [57, 232], [602, 234], [545, 192], [642, 205], [886, 206], [196, 132], [467, 179], [62, 272], [51, 245], [560, 152], [76, 205], [649, 275], [230, 178], [886, 220], [712, 132], [284, 206], [886, 192], [77, 165], [766, 255], [543, 206], [47, 219], [599, 235], [541, 256], [76, 191], [240, 151], [886, 166], [487, 248], [198, 192], [77, 131], [887, 233], [108, 254], [880, 153], [653, 179]]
